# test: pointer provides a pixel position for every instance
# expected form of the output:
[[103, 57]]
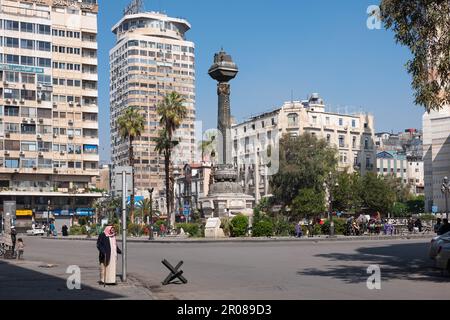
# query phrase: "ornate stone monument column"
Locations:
[[224, 70], [226, 195]]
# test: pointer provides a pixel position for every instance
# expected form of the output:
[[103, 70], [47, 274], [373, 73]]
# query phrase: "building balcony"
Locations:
[[89, 60], [92, 108], [89, 76], [90, 125], [88, 44], [91, 157]]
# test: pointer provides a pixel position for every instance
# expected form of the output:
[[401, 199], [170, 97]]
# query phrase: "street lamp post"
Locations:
[[446, 190], [150, 232], [329, 185], [48, 214]]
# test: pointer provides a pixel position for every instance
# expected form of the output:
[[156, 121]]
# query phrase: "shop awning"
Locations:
[[24, 213], [85, 212]]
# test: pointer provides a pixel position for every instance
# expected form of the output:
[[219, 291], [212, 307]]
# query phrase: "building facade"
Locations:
[[151, 58], [409, 170], [436, 155], [48, 105], [256, 140]]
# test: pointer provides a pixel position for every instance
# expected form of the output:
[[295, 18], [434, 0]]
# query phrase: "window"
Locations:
[[12, 111], [43, 29], [354, 142], [341, 142], [28, 78], [28, 163], [353, 123], [328, 138], [28, 129], [12, 76], [293, 120], [28, 146], [12, 59], [341, 122], [43, 46], [27, 61], [28, 94], [12, 94], [327, 121], [27, 44], [12, 42], [44, 62], [366, 143], [11, 163], [27, 27], [11, 25]]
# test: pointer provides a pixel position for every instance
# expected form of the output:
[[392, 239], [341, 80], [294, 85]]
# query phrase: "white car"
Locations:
[[436, 242], [443, 256], [36, 232]]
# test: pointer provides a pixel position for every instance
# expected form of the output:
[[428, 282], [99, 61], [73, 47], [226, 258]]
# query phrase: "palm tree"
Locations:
[[172, 112], [208, 145], [131, 126], [145, 208]]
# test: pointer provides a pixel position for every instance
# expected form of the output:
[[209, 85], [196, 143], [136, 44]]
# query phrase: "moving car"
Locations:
[[436, 242], [36, 232], [443, 256]]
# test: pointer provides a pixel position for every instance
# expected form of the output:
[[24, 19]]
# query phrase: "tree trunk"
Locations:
[[131, 155], [167, 172]]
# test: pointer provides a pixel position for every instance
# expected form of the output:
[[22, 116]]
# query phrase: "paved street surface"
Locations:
[[235, 271]]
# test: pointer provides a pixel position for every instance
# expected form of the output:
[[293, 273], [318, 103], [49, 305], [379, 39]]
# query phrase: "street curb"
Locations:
[[258, 240]]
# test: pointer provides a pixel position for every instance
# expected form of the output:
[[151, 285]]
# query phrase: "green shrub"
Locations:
[[193, 229], [339, 227], [427, 217], [239, 226], [225, 226], [76, 230], [317, 230], [135, 230], [283, 228], [262, 228]]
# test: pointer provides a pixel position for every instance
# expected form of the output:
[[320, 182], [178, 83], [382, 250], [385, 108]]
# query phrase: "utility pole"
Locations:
[[124, 226]]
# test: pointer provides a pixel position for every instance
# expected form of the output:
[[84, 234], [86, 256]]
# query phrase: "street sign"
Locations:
[[435, 209]]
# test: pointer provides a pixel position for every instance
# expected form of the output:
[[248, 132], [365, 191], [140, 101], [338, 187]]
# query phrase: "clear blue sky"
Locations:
[[282, 46]]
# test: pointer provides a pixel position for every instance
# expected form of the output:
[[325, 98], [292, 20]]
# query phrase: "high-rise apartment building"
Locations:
[[151, 58], [255, 142], [48, 106]]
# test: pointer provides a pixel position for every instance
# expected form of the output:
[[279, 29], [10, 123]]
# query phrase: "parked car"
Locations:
[[443, 256], [436, 242], [36, 232]]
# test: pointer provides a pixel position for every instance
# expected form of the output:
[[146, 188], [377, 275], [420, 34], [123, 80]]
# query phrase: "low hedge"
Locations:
[[263, 228], [193, 229]]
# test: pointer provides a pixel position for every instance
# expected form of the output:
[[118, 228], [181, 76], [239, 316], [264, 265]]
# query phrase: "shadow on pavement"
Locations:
[[17, 283], [397, 261]]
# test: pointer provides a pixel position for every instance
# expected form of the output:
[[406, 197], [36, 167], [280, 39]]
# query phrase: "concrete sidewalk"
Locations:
[[176, 239], [34, 280]]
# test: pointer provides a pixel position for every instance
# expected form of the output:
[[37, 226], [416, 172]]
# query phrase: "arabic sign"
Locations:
[[14, 67]]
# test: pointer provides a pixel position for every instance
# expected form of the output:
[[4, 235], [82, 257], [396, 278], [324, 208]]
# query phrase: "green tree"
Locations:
[[308, 203], [145, 209], [130, 126], [424, 27], [239, 226], [305, 161], [400, 210], [376, 193], [416, 205], [172, 113], [346, 196]]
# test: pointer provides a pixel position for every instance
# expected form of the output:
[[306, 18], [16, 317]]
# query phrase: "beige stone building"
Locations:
[[150, 59], [436, 157], [353, 135], [48, 105]]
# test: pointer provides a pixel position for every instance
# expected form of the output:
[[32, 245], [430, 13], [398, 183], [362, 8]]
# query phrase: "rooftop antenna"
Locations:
[[136, 6]]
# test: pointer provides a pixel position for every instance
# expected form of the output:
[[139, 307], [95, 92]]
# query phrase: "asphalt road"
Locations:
[[278, 270]]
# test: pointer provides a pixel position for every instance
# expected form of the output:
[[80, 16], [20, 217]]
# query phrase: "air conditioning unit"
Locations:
[[8, 101], [32, 120], [41, 120], [22, 101], [7, 134], [39, 136], [55, 104], [34, 167], [24, 86], [71, 103], [55, 170], [55, 136], [15, 101], [41, 154], [22, 154], [70, 136], [70, 122], [39, 86], [6, 153], [6, 83], [24, 120], [62, 153]]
